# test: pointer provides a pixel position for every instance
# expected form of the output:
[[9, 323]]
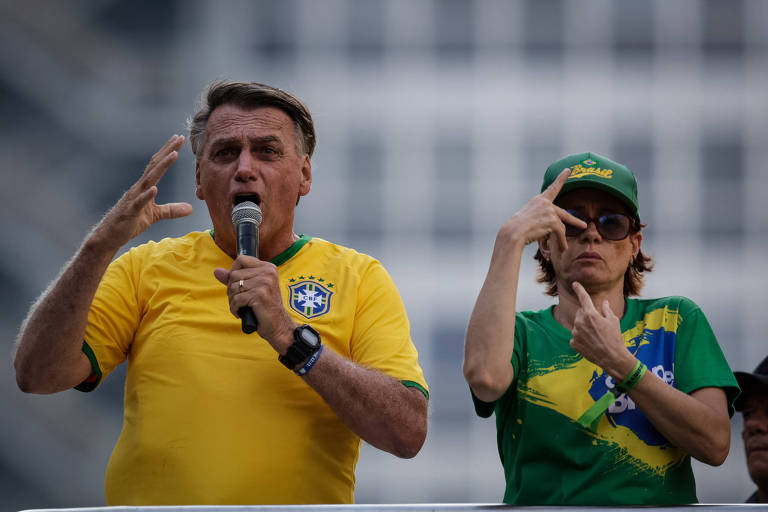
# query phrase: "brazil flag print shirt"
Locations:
[[549, 458]]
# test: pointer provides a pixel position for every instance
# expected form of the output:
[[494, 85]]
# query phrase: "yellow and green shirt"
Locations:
[[210, 415], [549, 458]]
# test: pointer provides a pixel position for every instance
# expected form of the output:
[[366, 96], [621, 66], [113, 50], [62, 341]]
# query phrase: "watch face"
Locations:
[[309, 336]]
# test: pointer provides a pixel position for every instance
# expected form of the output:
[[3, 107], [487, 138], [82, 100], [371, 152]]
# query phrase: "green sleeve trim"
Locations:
[[411, 384], [730, 387], [94, 378], [289, 252], [482, 409]]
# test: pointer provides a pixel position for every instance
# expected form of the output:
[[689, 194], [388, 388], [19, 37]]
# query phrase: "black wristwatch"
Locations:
[[306, 341]]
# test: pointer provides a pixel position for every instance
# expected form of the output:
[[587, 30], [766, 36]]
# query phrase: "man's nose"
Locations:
[[757, 421], [247, 167]]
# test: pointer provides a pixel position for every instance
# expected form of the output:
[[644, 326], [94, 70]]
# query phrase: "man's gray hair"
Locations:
[[251, 95]]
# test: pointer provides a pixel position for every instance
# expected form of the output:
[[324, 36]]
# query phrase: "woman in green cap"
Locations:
[[600, 399]]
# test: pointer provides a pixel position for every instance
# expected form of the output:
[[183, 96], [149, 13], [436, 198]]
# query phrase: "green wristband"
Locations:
[[633, 378]]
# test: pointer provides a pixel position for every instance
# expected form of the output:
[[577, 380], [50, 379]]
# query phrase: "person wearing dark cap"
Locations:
[[601, 399], [753, 405]]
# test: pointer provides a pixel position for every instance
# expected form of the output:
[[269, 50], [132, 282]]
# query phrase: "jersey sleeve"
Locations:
[[699, 360], [112, 320], [381, 336]]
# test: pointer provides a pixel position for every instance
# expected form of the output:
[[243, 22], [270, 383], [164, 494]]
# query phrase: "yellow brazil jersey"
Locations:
[[210, 415]]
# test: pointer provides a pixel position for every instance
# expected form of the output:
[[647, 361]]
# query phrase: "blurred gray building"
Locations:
[[436, 120]]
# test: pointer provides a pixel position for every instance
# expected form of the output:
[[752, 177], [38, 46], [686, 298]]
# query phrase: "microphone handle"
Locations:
[[248, 320], [248, 244]]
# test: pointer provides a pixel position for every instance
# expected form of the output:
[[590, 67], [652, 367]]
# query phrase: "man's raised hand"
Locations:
[[136, 210]]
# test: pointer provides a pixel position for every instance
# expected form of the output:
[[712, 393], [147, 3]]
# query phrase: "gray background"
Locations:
[[436, 120]]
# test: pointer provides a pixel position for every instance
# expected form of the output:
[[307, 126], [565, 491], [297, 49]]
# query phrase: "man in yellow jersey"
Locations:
[[213, 415], [601, 399]]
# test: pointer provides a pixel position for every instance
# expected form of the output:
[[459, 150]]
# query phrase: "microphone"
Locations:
[[246, 217]]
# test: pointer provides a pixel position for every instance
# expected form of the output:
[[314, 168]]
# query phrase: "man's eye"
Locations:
[[225, 152]]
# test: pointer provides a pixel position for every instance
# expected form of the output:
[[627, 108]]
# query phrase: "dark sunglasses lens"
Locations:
[[570, 229], [614, 226]]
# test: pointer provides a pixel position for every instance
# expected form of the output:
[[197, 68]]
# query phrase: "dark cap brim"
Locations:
[[615, 192], [750, 383]]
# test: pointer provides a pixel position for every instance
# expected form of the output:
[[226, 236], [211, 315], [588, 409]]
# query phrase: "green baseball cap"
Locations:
[[590, 170]]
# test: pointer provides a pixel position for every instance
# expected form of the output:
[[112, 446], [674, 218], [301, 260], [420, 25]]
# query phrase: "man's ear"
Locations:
[[306, 174], [198, 190]]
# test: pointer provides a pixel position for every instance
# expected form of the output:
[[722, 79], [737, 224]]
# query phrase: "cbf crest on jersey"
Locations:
[[309, 298]]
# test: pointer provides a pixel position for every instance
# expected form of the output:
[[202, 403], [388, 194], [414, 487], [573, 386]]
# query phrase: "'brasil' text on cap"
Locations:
[[590, 170]]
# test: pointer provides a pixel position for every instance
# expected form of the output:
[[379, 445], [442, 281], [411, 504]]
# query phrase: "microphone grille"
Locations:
[[247, 211]]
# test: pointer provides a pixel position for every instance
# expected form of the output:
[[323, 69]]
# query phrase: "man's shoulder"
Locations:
[[341, 263], [194, 241], [332, 250]]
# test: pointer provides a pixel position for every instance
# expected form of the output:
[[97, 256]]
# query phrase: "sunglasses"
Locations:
[[611, 226]]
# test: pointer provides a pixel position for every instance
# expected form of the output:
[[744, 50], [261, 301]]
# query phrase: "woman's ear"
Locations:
[[544, 247], [637, 241]]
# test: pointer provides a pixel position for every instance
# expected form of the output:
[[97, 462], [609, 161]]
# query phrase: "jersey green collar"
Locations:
[[289, 252], [286, 254]]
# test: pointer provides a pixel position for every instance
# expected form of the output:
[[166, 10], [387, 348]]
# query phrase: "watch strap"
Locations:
[[310, 363]]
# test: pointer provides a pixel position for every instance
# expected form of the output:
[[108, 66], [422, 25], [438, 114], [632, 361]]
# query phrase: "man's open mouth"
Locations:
[[241, 198]]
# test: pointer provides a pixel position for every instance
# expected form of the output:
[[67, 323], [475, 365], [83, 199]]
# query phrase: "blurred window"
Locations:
[[452, 206], [722, 27], [275, 26], [454, 30], [366, 28], [544, 30], [723, 187], [364, 172]]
